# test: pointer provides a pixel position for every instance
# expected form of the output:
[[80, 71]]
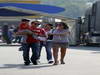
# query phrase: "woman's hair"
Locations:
[[64, 25]]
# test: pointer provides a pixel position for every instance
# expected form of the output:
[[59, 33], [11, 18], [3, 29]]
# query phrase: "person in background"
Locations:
[[47, 44], [17, 38], [60, 41], [6, 34], [11, 32]]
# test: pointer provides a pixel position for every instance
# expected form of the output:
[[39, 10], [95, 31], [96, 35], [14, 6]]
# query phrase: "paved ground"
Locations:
[[79, 61]]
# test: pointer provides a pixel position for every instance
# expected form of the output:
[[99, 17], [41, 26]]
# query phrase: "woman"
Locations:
[[60, 40]]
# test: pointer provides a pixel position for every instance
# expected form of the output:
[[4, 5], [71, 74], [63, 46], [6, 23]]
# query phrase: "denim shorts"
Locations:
[[60, 45]]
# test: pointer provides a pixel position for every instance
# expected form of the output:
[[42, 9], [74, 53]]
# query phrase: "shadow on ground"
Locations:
[[22, 66], [97, 52], [88, 48]]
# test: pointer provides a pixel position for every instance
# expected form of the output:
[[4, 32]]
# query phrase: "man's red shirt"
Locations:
[[23, 26], [38, 31]]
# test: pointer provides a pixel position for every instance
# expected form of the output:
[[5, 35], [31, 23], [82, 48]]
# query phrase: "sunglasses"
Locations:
[[59, 25], [35, 23]]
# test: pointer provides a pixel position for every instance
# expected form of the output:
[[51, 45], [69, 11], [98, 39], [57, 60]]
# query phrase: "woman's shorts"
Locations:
[[61, 45]]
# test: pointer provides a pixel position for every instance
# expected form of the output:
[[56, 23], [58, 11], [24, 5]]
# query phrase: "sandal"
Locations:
[[56, 63], [62, 62]]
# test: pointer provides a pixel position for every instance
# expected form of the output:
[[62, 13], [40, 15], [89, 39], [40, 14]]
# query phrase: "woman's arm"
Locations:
[[67, 32], [59, 34]]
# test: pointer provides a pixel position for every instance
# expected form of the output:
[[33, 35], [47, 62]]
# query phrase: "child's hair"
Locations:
[[51, 25]]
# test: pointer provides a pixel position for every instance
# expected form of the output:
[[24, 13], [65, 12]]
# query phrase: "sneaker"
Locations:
[[26, 63], [50, 62], [35, 63]]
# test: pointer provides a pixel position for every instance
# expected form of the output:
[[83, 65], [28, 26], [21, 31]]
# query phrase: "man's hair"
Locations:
[[24, 20], [35, 22]]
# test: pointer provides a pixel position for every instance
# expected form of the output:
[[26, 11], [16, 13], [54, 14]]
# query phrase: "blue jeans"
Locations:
[[48, 46], [35, 52]]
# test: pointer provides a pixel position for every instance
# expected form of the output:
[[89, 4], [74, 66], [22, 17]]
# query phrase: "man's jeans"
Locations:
[[35, 52], [48, 46]]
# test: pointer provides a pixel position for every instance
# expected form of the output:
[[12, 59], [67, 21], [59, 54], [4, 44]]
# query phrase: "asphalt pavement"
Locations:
[[79, 61]]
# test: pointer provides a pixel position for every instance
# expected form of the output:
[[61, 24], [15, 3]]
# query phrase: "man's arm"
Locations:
[[24, 32]]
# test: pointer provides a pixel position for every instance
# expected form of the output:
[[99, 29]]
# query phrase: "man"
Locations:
[[47, 44], [34, 44], [24, 25]]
